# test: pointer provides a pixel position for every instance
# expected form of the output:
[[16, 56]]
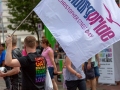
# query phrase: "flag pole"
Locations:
[[2, 28], [21, 23], [1, 21]]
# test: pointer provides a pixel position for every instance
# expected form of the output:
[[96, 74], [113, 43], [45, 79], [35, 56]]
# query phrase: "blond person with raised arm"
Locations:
[[33, 75]]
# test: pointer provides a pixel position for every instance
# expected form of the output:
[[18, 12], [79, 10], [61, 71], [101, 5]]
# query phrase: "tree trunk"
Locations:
[[35, 28], [38, 38]]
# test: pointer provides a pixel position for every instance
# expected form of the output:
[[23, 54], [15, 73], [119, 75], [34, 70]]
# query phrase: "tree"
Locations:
[[19, 9]]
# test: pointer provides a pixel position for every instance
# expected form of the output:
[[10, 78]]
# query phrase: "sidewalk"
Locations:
[[2, 84], [100, 87]]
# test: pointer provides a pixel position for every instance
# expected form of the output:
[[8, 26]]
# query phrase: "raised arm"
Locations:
[[8, 60]]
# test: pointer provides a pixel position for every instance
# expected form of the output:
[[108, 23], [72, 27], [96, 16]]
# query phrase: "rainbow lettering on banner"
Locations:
[[106, 55], [40, 69], [90, 14]]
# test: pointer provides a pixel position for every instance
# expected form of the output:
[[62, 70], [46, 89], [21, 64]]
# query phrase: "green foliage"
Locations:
[[19, 9]]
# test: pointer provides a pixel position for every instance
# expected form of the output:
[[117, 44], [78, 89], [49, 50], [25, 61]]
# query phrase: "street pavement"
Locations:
[[99, 87], [2, 84]]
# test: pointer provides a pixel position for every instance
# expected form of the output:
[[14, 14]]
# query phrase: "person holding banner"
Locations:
[[49, 56], [75, 77]]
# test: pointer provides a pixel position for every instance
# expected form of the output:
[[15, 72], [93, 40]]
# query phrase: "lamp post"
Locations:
[[39, 30], [2, 29]]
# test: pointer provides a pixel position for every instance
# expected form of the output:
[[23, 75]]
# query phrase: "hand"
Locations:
[[8, 40], [89, 66], [2, 74], [55, 71], [99, 64], [78, 75]]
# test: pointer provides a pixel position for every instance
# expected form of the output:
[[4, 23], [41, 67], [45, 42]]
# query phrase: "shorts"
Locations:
[[96, 71], [51, 72]]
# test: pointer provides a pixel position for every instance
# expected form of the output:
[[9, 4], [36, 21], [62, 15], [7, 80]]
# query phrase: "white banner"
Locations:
[[107, 74], [82, 27]]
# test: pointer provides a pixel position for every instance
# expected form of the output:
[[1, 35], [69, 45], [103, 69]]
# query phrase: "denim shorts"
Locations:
[[96, 71], [51, 71]]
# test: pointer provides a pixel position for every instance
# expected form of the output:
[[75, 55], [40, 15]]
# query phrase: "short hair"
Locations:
[[14, 40], [30, 41]]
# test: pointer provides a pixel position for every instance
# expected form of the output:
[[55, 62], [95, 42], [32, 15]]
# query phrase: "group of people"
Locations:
[[13, 75], [27, 68], [32, 62], [78, 78]]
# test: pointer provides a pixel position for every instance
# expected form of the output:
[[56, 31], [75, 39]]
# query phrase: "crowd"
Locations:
[[26, 69]]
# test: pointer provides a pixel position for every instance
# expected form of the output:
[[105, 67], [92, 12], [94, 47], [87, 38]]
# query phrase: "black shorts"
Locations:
[[74, 84], [90, 74]]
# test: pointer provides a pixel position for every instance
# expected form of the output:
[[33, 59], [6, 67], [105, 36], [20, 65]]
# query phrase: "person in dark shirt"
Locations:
[[14, 73], [39, 49], [33, 68]]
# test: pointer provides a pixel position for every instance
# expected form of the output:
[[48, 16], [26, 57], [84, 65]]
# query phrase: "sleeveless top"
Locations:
[[46, 55], [70, 76]]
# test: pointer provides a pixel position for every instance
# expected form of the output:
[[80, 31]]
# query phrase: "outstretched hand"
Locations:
[[8, 40]]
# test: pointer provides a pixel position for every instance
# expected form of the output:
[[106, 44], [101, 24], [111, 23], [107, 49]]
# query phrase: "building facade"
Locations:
[[20, 34]]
